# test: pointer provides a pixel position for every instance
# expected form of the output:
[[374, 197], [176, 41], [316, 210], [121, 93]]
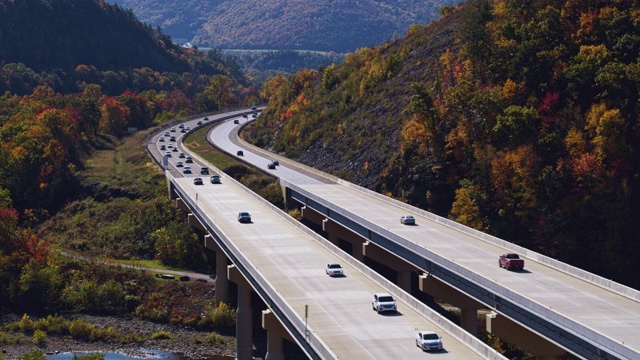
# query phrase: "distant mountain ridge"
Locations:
[[324, 25]]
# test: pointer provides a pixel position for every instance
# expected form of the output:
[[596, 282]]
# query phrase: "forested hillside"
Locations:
[[517, 118], [62, 34], [326, 25], [76, 78]]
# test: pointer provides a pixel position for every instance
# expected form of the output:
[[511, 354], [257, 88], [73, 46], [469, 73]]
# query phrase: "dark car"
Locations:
[[244, 217], [239, 153], [181, 156], [254, 115], [245, 116], [206, 118], [188, 160], [198, 181], [215, 179], [275, 162], [271, 166], [204, 170], [236, 121]]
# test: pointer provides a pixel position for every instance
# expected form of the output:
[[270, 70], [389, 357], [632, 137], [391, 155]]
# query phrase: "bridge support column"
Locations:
[[222, 281], [244, 340], [337, 232], [275, 335], [522, 337], [467, 305], [181, 205], [194, 222], [404, 280], [469, 320], [403, 269]]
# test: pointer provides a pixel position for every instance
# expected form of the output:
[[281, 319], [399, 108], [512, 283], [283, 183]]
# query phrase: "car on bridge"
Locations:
[[244, 217], [383, 302], [186, 170], [188, 160], [236, 121], [240, 153], [215, 179], [271, 166], [204, 170], [179, 164], [407, 220], [198, 181], [334, 269], [206, 118], [428, 341], [511, 261]]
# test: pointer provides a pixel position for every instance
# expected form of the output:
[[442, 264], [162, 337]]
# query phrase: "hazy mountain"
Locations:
[[326, 25]]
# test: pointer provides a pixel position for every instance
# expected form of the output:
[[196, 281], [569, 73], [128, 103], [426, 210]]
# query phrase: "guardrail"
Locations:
[[529, 254], [310, 343], [588, 342], [463, 336]]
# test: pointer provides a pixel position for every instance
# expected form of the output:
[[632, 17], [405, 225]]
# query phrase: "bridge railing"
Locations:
[[530, 254], [580, 331], [306, 337]]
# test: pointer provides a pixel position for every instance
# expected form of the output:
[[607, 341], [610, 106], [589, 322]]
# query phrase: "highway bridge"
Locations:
[[550, 308]]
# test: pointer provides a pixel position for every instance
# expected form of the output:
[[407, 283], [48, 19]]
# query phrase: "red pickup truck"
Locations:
[[511, 261]]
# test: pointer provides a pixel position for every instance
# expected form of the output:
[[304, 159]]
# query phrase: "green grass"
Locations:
[[196, 142], [152, 264]]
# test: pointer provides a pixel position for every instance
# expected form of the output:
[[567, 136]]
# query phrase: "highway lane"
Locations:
[[339, 308], [603, 311]]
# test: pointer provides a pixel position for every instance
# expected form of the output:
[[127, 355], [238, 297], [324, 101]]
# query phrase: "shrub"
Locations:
[[25, 324], [212, 339], [96, 356], [159, 335], [80, 329], [221, 315], [39, 337]]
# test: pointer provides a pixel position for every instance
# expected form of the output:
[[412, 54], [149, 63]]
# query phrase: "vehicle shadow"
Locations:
[[391, 314], [437, 352]]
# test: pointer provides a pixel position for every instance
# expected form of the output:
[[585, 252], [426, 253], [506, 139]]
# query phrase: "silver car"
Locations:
[[383, 302], [407, 220], [334, 269], [428, 341]]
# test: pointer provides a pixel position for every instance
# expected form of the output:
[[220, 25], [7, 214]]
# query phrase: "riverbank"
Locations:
[[188, 343]]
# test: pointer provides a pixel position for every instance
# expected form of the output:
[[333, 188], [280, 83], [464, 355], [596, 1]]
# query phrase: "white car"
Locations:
[[334, 269], [383, 302], [428, 341]]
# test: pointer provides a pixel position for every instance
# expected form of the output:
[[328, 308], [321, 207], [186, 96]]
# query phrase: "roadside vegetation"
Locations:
[[257, 181]]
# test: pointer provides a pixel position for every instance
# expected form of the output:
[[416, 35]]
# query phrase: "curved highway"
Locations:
[[596, 308], [288, 259]]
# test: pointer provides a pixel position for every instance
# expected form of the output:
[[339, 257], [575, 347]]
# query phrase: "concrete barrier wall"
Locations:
[[261, 285], [508, 246], [489, 285]]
